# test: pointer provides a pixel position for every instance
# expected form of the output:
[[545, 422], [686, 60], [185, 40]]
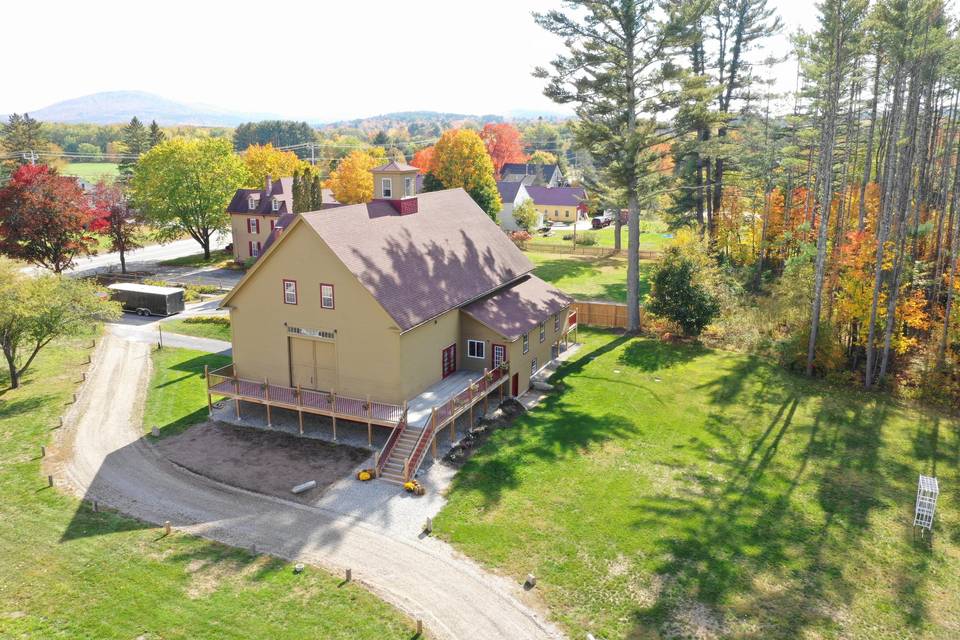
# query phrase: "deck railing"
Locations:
[[444, 413], [390, 444], [223, 382]]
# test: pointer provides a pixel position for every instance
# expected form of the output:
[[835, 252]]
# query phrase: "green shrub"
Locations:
[[676, 296], [221, 320], [587, 238]]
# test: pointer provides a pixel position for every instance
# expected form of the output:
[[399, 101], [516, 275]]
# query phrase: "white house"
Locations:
[[512, 194]]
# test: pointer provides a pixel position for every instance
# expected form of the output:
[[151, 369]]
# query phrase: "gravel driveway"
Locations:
[[107, 460]]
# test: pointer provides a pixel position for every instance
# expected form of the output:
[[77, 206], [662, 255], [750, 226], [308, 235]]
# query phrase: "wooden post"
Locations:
[[369, 424], [300, 407], [471, 403], [404, 411], [206, 376], [453, 424], [266, 397], [333, 412], [236, 397], [406, 470]]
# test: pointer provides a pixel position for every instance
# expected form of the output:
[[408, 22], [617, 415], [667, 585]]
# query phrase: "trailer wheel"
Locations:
[[139, 312], [147, 313]]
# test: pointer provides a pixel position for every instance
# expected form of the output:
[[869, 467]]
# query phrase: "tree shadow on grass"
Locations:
[[741, 552], [653, 355]]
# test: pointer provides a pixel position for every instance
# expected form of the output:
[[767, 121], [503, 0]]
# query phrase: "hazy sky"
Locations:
[[318, 60]]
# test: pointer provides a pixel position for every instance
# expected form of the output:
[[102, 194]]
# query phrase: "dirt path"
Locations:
[[423, 577]]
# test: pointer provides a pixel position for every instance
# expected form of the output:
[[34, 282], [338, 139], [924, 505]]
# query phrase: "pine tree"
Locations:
[[22, 135], [156, 135], [136, 142]]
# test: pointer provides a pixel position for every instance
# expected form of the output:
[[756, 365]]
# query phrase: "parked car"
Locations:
[[601, 221], [146, 299]]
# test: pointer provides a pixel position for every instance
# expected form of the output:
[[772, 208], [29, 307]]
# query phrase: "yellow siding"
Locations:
[[473, 330], [558, 213], [367, 342], [520, 362], [421, 348], [242, 238]]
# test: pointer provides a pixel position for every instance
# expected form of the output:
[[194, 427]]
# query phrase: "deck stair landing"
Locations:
[[393, 467]]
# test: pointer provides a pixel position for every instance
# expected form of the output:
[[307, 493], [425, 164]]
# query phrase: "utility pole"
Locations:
[[31, 156]]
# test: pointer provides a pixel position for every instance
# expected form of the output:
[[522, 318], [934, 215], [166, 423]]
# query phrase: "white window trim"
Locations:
[[409, 187], [526, 343], [478, 346], [251, 203], [556, 322], [255, 249], [290, 293], [323, 298], [275, 205], [255, 225], [386, 184], [533, 367]]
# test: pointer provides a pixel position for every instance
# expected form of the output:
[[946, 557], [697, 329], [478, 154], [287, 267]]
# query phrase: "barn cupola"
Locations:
[[396, 183]]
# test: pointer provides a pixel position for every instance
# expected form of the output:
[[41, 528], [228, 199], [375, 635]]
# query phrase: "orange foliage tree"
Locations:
[[423, 159], [503, 144]]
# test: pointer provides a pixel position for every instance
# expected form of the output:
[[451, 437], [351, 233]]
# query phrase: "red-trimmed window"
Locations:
[[273, 225], [290, 292], [255, 248], [253, 225], [326, 296]]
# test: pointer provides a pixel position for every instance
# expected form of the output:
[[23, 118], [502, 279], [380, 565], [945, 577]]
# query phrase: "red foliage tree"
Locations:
[[423, 159], [45, 218], [116, 220], [503, 144]]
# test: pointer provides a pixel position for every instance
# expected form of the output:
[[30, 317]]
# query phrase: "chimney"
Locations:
[[269, 185]]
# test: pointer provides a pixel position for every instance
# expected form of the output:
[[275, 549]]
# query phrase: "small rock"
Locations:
[[298, 568]]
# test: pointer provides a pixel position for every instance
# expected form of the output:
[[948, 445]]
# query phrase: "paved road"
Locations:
[[111, 463], [147, 330], [150, 255]]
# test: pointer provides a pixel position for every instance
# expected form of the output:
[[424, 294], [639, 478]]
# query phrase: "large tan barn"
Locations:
[[417, 302]]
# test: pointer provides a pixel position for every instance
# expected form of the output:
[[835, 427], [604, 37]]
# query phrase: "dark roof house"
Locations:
[[261, 201], [548, 175], [557, 196]]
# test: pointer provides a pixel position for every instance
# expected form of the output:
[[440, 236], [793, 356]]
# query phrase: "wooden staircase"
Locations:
[[392, 470]]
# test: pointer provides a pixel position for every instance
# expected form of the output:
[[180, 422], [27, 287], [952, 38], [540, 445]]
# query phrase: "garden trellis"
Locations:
[[928, 489]]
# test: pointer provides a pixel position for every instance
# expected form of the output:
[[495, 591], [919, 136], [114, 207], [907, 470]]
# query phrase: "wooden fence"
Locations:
[[609, 315], [546, 247]]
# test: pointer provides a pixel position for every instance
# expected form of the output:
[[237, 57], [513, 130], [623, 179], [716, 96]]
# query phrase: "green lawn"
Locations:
[[674, 491], [177, 397], [589, 278], [67, 572], [605, 238], [216, 327], [91, 171], [219, 258]]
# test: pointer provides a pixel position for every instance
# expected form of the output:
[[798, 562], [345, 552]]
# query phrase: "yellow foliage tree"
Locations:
[[265, 160], [460, 159], [351, 182]]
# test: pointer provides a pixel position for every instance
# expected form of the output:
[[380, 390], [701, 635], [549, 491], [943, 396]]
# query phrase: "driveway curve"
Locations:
[[111, 463]]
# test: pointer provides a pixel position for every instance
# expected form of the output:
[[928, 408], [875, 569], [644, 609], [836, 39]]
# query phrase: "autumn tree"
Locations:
[[423, 158], [45, 218], [351, 182], [116, 219], [40, 309], [542, 157], [503, 144], [265, 160], [460, 160], [525, 215], [184, 187]]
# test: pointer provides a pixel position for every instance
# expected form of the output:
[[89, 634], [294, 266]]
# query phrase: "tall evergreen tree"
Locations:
[[614, 73], [136, 142], [156, 135], [21, 135]]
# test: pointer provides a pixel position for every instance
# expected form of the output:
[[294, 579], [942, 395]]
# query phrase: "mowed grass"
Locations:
[[215, 327], [67, 572], [649, 241], [587, 277], [678, 492], [91, 171], [177, 396], [218, 258]]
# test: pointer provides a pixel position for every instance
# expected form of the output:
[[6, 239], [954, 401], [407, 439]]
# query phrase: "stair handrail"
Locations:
[[416, 458], [391, 443]]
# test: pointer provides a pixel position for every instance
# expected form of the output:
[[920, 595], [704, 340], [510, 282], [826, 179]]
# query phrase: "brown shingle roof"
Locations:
[[421, 265], [519, 307], [281, 189]]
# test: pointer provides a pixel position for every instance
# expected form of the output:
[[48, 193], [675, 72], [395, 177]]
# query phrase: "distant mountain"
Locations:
[[112, 107]]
